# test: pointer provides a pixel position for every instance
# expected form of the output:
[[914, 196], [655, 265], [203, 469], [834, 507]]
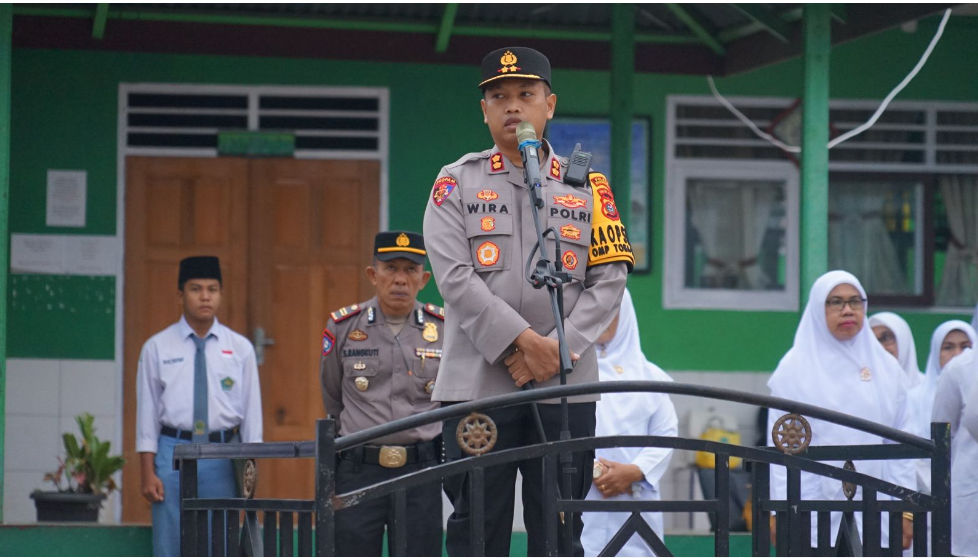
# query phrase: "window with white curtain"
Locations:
[[903, 204], [731, 238]]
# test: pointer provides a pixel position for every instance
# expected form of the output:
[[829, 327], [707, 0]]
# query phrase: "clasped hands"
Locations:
[[617, 478], [536, 358]]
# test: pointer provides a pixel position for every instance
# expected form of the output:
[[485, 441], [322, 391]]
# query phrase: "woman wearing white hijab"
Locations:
[[948, 341], [894, 334], [956, 402], [838, 364], [628, 473]]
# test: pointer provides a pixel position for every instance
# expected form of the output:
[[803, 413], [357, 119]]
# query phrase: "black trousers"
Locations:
[[516, 428], [360, 529]]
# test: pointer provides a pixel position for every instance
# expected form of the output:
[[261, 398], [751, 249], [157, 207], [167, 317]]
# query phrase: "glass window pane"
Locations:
[[735, 235], [874, 234]]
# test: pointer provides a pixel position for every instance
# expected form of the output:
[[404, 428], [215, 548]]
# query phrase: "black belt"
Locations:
[[216, 437], [392, 456]]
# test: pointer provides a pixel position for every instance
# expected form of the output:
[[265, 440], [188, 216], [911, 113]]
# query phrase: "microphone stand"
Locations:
[[548, 273]]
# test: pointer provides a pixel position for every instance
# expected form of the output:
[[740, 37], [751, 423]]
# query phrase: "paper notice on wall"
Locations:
[[91, 255], [67, 196], [54, 254]]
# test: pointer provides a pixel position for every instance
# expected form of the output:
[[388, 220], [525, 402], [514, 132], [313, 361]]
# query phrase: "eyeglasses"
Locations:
[[886, 339], [838, 304]]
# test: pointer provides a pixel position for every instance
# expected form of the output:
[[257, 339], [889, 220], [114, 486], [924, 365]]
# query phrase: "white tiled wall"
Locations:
[[43, 399]]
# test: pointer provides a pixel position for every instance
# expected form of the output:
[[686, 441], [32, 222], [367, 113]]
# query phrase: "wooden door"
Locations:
[[175, 208], [294, 238], [312, 230]]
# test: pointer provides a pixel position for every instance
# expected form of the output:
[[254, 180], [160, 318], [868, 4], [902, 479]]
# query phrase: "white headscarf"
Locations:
[[974, 319], [922, 396], [906, 348], [625, 351], [821, 370]]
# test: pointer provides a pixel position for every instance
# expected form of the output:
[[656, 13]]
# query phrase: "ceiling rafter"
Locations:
[[697, 27], [445, 29], [98, 22], [768, 20]]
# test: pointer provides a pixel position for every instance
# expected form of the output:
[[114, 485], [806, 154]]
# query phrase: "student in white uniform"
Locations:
[[838, 364], [894, 334], [956, 402], [197, 383], [948, 341], [627, 473]]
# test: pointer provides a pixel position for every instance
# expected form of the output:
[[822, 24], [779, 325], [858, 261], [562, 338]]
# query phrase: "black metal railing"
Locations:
[[793, 515]]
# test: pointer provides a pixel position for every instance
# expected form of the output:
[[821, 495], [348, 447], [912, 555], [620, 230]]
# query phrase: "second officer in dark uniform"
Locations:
[[380, 363]]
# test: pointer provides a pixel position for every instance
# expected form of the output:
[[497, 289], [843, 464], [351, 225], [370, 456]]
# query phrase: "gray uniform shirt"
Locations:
[[479, 232], [370, 377]]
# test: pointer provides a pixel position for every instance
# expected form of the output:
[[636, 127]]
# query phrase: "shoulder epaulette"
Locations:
[[436, 311], [470, 157], [344, 313]]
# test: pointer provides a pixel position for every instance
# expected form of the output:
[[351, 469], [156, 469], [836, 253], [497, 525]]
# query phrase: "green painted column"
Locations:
[[6, 28], [815, 153], [622, 101]]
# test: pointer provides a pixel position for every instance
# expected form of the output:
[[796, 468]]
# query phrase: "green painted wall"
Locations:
[[65, 116]]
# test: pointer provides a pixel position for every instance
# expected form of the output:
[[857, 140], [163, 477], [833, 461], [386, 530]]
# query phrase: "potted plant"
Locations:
[[88, 469]]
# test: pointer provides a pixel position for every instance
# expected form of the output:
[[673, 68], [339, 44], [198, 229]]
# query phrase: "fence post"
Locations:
[[188, 523], [325, 487], [940, 482]]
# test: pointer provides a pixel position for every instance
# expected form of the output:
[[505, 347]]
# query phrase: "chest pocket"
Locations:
[[489, 227], [569, 212], [356, 367]]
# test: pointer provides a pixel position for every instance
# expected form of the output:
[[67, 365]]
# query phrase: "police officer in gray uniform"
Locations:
[[499, 329], [380, 362]]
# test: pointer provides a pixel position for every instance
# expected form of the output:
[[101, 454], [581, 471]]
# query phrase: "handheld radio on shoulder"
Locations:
[[577, 167]]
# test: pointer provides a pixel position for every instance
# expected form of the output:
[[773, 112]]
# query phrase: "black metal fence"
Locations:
[[224, 534]]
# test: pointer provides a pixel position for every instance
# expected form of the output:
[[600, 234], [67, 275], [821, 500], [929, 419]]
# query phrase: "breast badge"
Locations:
[[362, 383], [488, 254], [865, 374], [570, 231], [569, 259], [488, 224], [430, 332], [357, 335], [429, 387], [570, 201], [487, 195]]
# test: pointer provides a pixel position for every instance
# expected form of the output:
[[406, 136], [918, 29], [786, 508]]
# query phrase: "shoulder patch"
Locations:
[[329, 341], [609, 240], [443, 188], [344, 313], [436, 311]]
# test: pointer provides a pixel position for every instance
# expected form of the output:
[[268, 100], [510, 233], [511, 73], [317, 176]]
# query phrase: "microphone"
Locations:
[[526, 136]]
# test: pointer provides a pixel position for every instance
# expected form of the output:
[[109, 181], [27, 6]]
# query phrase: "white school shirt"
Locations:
[[165, 384]]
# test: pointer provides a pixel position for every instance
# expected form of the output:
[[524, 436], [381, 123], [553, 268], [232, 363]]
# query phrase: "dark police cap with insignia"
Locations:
[[515, 62], [199, 267], [399, 244]]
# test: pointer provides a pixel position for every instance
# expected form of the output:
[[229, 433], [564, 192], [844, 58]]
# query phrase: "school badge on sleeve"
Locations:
[[443, 188]]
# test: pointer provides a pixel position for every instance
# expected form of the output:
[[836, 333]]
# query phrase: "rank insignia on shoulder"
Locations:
[[329, 341], [443, 188], [357, 335], [344, 313], [555, 168], [496, 163], [436, 311], [430, 332]]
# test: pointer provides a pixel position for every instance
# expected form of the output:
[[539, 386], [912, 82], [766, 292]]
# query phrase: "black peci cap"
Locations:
[[515, 62], [399, 244], [199, 267]]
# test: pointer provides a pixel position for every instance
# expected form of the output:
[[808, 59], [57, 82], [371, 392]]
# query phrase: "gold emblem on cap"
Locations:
[[429, 387], [430, 332], [403, 240], [508, 61], [362, 383]]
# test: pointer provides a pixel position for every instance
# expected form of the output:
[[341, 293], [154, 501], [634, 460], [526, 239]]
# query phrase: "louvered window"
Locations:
[[187, 119], [896, 194]]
